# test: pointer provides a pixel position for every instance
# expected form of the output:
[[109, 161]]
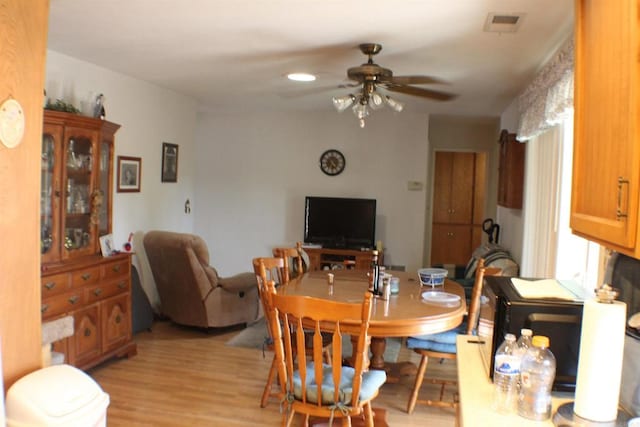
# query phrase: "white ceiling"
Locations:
[[233, 55]]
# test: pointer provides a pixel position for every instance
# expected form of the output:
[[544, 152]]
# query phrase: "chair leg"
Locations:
[[417, 384], [267, 387], [290, 418], [368, 415]]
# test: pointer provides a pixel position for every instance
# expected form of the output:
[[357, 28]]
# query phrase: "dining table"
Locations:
[[414, 310]]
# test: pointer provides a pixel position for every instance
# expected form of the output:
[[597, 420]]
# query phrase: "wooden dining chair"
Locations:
[[314, 388], [443, 345], [294, 264], [267, 269], [270, 269]]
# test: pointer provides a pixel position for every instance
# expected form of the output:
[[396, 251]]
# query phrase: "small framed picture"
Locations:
[[169, 162], [106, 245], [129, 174]]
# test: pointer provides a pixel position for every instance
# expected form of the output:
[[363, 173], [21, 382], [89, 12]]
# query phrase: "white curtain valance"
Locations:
[[549, 98]]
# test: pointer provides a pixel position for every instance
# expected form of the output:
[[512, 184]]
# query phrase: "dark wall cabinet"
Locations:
[[511, 171]]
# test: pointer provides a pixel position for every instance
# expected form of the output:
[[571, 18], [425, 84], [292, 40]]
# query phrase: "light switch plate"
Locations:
[[414, 186]]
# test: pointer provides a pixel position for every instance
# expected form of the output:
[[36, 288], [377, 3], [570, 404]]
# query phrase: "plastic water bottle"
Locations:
[[537, 372], [524, 342], [505, 376]]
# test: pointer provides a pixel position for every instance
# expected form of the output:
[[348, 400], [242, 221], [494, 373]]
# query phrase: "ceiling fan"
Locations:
[[371, 76]]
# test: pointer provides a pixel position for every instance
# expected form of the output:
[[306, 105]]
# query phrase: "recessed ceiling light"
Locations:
[[301, 77]]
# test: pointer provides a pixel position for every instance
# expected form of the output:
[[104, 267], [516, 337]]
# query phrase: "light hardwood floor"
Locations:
[[187, 377]]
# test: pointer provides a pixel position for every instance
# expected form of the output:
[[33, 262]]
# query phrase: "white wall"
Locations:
[[149, 115], [254, 170], [472, 134], [511, 220]]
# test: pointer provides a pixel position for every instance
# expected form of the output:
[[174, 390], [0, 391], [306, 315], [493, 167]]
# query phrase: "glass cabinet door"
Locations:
[[104, 181], [79, 236], [50, 193]]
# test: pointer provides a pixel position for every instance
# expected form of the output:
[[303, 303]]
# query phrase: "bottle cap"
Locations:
[[540, 341], [526, 332], [509, 337]]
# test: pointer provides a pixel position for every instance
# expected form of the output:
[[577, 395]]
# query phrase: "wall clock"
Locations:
[[332, 162]]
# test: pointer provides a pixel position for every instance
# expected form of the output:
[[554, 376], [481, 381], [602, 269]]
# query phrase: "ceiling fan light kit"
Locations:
[[373, 77]]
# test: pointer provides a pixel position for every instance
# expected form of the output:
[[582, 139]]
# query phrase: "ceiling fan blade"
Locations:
[[417, 91], [298, 92], [414, 80]]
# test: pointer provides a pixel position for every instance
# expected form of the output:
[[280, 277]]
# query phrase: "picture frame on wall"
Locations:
[[129, 174], [169, 162]]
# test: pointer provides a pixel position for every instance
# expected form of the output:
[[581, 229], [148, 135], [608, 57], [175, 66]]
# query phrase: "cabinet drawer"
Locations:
[[115, 269], [62, 303], [106, 290], [54, 285], [85, 277]]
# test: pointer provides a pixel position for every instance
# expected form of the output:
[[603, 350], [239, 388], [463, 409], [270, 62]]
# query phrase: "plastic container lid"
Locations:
[[540, 341], [59, 395]]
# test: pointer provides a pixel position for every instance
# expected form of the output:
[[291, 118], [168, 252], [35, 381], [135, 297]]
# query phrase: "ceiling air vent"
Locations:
[[503, 22]]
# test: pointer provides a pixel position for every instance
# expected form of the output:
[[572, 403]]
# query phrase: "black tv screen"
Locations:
[[336, 222]]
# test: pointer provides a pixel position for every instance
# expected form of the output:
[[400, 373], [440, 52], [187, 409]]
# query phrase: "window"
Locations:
[[549, 247]]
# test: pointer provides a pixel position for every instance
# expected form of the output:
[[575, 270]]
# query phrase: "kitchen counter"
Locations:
[[475, 391]]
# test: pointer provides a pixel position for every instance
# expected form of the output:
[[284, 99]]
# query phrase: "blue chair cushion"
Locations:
[[443, 342], [372, 380]]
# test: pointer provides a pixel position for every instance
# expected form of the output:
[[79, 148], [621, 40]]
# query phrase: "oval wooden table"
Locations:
[[403, 314]]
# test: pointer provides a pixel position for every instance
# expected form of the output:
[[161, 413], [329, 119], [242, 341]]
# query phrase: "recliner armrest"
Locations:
[[241, 282]]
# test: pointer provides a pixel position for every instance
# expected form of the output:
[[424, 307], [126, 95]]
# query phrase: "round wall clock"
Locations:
[[332, 162]]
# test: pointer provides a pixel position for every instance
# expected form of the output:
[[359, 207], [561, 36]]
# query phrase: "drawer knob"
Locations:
[[87, 332], [50, 285], [116, 268], [74, 299], [97, 292], [86, 276], [44, 308], [118, 319], [122, 285]]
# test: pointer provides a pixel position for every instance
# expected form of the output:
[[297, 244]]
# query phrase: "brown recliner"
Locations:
[[191, 292]]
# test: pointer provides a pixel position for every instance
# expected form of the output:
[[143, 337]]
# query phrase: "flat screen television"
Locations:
[[337, 222]]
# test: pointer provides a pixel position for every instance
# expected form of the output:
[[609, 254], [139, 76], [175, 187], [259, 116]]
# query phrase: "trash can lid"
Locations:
[[53, 393]]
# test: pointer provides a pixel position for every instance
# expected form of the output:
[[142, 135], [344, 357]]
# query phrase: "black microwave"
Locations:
[[503, 311]]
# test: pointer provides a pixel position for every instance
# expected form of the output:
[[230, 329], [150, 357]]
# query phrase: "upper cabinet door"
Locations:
[[606, 162], [79, 231], [50, 188]]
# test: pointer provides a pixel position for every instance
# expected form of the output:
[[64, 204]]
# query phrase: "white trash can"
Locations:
[[56, 396]]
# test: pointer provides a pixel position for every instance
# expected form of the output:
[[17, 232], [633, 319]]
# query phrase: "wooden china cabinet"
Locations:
[[75, 210]]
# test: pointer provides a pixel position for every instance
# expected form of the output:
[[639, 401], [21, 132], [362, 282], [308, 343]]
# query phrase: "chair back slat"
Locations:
[[293, 262], [291, 313], [474, 305]]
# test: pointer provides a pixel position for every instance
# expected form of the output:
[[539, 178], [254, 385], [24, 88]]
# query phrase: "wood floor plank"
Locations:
[[188, 377]]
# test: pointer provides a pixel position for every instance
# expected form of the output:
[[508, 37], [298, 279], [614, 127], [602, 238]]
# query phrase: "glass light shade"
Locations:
[[396, 106], [360, 110], [341, 103], [376, 101]]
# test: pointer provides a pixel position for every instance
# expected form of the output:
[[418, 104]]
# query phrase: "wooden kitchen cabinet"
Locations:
[[606, 159], [511, 171], [75, 211], [458, 206]]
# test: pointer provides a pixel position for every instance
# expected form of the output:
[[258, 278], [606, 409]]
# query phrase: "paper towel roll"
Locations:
[[600, 360]]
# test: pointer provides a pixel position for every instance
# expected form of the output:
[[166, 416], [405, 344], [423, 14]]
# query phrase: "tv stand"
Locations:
[[333, 259]]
